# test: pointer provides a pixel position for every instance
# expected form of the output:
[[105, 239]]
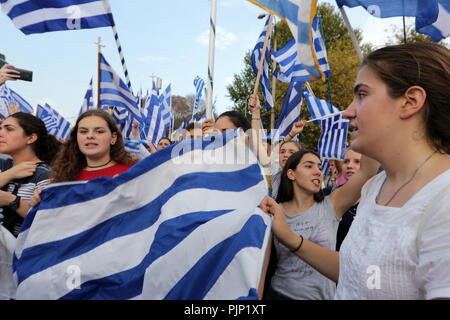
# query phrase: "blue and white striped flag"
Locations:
[[36, 16], [133, 146], [432, 16], [318, 108], [291, 69], [290, 111], [149, 233], [332, 141], [299, 15], [165, 101], [88, 101], [114, 92], [55, 123], [199, 85], [47, 117], [154, 128], [256, 56], [11, 102], [325, 166]]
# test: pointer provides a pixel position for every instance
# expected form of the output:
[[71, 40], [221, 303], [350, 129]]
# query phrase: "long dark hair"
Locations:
[[70, 161], [286, 189], [419, 64], [46, 146]]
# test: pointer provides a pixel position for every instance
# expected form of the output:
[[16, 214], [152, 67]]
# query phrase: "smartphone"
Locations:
[[25, 75]]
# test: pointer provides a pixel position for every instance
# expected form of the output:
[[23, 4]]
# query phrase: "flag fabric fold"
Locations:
[[290, 111], [317, 107], [88, 100], [291, 69], [35, 16], [199, 85], [11, 102], [149, 233], [55, 123], [299, 15], [432, 16], [255, 58], [114, 92]]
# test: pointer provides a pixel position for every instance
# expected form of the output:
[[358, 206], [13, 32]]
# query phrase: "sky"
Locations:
[[168, 39]]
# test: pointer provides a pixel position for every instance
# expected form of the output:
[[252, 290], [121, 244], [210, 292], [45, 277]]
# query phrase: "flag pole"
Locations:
[[352, 34], [99, 54], [212, 42], [263, 53], [119, 48]]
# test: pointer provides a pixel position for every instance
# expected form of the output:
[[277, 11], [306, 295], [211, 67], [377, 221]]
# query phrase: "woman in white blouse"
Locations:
[[398, 246]]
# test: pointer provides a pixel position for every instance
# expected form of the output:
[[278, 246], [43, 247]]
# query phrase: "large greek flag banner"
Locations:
[[182, 223], [332, 141], [37, 16]]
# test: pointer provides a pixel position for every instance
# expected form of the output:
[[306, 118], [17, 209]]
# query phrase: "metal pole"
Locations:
[[352, 34], [212, 42], [274, 84], [99, 53]]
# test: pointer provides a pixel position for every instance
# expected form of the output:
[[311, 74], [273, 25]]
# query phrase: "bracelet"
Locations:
[[299, 246], [289, 134], [256, 118]]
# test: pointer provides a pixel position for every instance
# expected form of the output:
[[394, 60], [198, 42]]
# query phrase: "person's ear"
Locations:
[[414, 102], [114, 138], [32, 138], [290, 174]]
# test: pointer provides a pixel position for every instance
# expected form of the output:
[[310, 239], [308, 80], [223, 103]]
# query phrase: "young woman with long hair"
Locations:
[[398, 246], [24, 138]]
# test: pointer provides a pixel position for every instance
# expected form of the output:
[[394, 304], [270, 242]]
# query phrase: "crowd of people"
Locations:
[[378, 227]]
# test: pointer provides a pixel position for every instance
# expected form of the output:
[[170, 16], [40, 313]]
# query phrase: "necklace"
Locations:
[[408, 181], [93, 167]]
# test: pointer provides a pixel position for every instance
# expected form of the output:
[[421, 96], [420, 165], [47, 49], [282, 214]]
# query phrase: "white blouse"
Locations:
[[381, 258]]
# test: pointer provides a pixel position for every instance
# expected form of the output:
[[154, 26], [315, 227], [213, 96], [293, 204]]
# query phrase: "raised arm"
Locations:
[[346, 196], [322, 259]]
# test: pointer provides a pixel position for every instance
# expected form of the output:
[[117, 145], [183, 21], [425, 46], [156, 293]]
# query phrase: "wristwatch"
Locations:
[[15, 204]]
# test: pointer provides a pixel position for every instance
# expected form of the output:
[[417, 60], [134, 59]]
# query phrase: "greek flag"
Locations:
[[333, 139], [11, 102], [133, 146], [325, 166], [165, 101], [149, 233], [154, 128], [256, 56], [36, 16], [432, 16], [299, 15], [291, 69], [114, 92], [318, 108], [440, 29], [199, 85], [54, 122], [88, 101], [290, 111]]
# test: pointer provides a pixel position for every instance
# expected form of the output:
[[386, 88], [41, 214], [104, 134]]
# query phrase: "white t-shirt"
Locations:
[[379, 258]]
